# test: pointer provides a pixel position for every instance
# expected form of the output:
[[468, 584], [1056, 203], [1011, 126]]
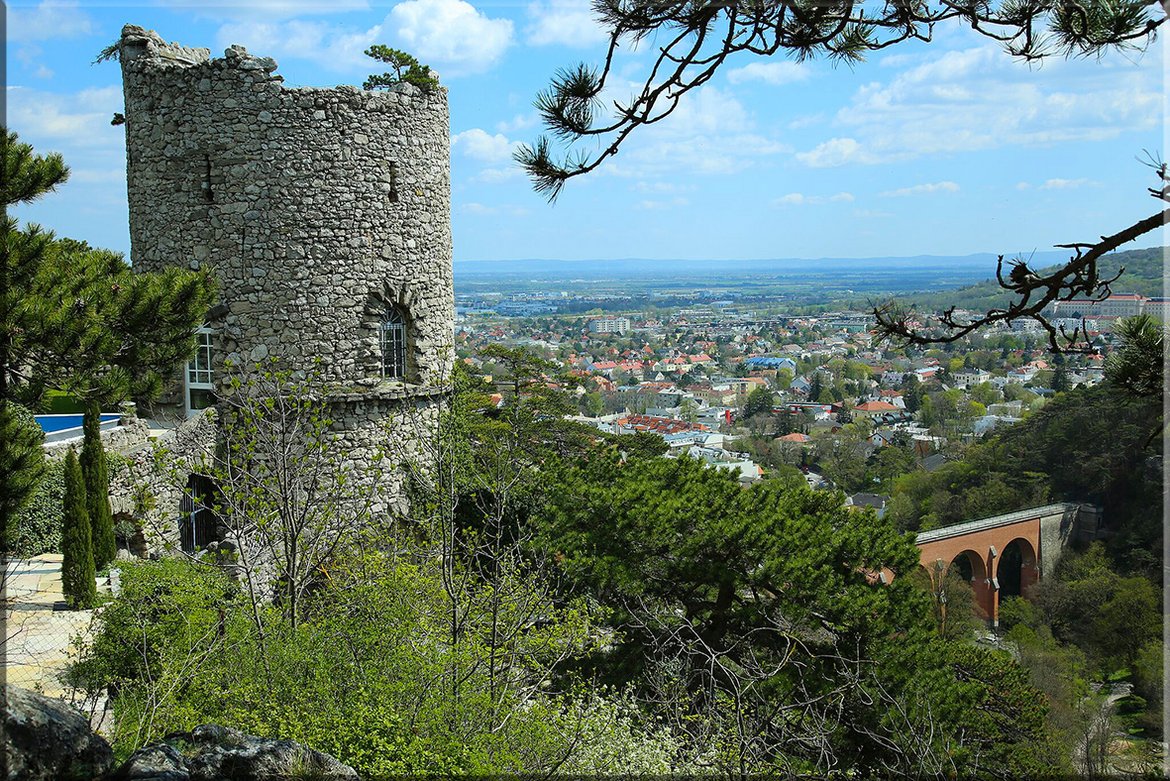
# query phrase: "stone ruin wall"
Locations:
[[315, 208]]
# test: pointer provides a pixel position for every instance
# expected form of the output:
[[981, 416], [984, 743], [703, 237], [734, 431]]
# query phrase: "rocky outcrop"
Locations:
[[212, 753], [46, 740]]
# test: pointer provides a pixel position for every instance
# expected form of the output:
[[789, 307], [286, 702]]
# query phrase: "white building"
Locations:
[[610, 325]]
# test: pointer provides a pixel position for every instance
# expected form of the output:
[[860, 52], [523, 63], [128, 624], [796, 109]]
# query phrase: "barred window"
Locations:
[[392, 334]]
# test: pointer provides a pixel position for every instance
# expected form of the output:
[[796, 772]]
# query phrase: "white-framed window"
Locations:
[[200, 389], [392, 342]]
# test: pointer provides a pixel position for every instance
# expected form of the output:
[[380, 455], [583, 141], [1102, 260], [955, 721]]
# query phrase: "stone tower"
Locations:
[[323, 213]]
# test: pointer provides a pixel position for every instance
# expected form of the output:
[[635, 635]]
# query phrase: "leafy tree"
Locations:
[[97, 488], [912, 392], [593, 404], [760, 400], [105, 332], [985, 393], [405, 69], [78, 579]]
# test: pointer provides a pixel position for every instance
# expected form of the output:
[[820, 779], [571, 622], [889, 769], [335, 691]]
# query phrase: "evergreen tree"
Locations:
[[26, 178], [815, 389], [76, 319], [77, 571], [97, 488], [22, 463], [1060, 382]]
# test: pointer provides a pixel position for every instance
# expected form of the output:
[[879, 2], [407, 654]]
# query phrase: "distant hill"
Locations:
[[1143, 275]]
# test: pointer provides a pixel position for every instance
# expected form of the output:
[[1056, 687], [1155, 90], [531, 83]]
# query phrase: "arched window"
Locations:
[[392, 337]]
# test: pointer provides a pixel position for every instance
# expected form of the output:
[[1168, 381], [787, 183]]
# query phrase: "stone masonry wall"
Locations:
[[315, 207]]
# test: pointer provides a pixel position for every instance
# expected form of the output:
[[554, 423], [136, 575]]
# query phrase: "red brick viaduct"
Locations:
[[1004, 555]]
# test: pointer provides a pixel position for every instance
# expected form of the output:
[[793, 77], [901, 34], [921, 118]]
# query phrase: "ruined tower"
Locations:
[[323, 213]]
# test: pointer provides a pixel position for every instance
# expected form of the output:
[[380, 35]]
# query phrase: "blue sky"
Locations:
[[948, 148]]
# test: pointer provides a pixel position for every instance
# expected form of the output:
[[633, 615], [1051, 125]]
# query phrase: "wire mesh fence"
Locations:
[[40, 634]]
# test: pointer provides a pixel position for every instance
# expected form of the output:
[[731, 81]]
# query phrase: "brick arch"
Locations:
[[1017, 570], [985, 541]]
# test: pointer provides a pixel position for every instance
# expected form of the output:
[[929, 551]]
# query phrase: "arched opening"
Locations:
[[198, 521], [964, 589], [969, 566], [1016, 570]]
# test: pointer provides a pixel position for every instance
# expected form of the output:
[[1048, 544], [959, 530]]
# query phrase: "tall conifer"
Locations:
[[97, 487], [26, 178], [78, 580]]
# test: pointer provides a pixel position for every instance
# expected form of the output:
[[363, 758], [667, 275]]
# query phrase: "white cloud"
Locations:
[[563, 23], [77, 126], [834, 152], [480, 145], [450, 33], [922, 189], [507, 210], [1064, 184], [662, 188], [48, 20], [1056, 184], [63, 121], [266, 9], [334, 48], [518, 122], [657, 205], [800, 199], [774, 73], [711, 132], [979, 98], [498, 174]]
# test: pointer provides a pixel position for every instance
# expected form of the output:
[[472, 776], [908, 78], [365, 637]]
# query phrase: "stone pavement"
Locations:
[[38, 631]]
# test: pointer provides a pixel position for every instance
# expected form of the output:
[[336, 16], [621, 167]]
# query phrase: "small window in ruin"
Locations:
[[200, 385], [393, 196], [205, 185], [392, 339]]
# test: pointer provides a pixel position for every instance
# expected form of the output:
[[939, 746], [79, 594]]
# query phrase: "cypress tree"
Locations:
[[77, 571], [97, 487]]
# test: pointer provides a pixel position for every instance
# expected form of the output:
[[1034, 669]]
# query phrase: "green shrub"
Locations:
[[370, 675], [37, 528]]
